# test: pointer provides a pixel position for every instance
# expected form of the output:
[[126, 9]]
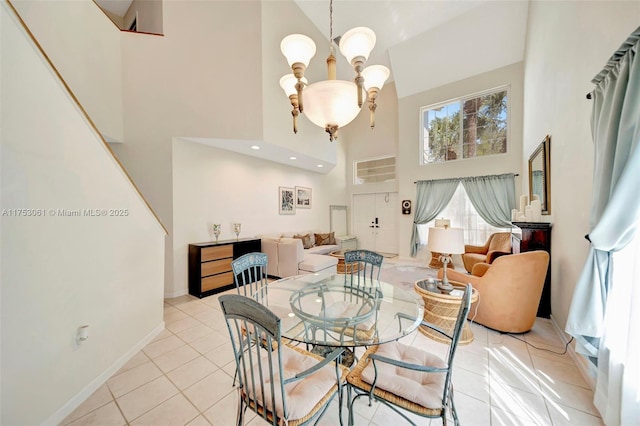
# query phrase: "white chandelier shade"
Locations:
[[288, 83], [298, 48], [331, 103], [375, 76], [357, 42]]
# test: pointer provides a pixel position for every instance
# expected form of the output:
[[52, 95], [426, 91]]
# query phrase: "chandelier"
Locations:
[[332, 103]]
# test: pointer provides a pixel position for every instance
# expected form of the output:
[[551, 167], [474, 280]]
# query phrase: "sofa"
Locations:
[[287, 255]]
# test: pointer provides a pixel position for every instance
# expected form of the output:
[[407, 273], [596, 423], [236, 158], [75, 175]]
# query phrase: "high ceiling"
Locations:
[[425, 43], [117, 7], [439, 40]]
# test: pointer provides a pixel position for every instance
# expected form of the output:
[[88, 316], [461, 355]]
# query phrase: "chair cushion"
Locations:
[[425, 389], [302, 395]]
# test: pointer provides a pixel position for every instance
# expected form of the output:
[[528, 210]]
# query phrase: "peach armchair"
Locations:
[[497, 245], [509, 290]]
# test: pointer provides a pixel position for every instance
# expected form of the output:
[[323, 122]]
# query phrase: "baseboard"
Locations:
[[581, 362], [176, 294], [85, 393]]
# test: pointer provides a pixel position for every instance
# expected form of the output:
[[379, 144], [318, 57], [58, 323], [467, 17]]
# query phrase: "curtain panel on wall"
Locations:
[[615, 213], [492, 196], [432, 196]]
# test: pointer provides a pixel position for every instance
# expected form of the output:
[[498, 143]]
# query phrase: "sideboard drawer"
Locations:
[[215, 267], [216, 281], [215, 253]]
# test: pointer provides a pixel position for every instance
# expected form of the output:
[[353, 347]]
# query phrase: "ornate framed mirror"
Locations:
[[539, 175]]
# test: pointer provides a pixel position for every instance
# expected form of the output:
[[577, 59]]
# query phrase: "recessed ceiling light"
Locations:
[[320, 165], [255, 147], [292, 158]]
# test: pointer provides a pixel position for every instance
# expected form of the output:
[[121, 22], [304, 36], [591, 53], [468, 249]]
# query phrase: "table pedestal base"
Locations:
[[348, 357]]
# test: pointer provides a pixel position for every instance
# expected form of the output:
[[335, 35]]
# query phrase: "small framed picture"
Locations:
[[287, 200], [303, 197]]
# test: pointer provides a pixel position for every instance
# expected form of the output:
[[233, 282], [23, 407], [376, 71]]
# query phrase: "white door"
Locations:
[[375, 221]]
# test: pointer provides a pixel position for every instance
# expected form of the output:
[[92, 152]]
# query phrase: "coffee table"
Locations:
[[441, 309], [341, 267]]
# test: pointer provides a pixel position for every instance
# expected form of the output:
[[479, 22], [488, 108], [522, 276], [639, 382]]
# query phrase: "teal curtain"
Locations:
[[432, 196], [615, 211], [493, 197]]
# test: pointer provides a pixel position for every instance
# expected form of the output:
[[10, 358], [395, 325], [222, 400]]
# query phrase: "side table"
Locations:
[[442, 309], [341, 268]]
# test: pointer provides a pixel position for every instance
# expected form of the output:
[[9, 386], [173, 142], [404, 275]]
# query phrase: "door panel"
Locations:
[[387, 210], [364, 206], [375, 219]]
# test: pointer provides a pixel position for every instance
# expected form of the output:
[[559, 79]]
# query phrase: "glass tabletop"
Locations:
[[326, 309]]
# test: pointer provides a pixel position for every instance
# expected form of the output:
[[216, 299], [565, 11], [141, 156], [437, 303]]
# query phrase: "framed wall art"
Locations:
[[287, 200], [303, 197]]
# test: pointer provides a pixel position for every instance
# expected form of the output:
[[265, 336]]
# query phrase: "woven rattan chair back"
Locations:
[[376, 390], [250, 273], [261, 357]]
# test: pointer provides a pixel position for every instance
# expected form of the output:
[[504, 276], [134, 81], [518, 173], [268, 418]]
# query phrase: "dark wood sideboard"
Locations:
[[210, 264], [529, 236]]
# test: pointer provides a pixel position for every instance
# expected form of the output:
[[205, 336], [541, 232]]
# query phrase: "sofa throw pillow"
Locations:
[[325, 239], [306, 240]]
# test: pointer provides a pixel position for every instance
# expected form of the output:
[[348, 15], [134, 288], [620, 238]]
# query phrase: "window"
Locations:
[[463, 215], [375, 171], [469, 127]]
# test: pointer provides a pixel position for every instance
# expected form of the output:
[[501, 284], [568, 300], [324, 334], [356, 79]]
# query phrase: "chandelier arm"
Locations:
[[299, 87], [372, 114], [295, 111], [358, 66], [373, 95]]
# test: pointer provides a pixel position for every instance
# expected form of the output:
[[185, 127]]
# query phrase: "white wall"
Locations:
[[486, 37], [84, 46], [61, 272], [568, 43], [216, 186], [362, 142], [198, 80], [409, 166]]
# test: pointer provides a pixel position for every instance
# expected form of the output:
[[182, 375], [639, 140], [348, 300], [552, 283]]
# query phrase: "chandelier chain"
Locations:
[[331, 25]]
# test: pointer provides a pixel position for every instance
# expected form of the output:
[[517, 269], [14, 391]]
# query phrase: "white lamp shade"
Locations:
[[331, 102], [357, 41], [298, 48], [446, 240], [375, 76], [288, 84]]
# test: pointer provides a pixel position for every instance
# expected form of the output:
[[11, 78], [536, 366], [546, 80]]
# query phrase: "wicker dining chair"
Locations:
[[413, 379], [280, 383], [362, 275]]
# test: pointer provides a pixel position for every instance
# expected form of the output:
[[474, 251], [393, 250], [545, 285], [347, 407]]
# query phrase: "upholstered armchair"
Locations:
[[497, 245], [509, 290]]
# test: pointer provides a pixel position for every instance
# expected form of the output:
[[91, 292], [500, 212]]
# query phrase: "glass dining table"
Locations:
[[329, 310]]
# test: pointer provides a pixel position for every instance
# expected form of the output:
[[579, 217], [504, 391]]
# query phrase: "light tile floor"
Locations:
[[184, 377]]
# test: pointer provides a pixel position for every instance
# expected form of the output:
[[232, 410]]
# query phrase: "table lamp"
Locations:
[[447, 241]]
